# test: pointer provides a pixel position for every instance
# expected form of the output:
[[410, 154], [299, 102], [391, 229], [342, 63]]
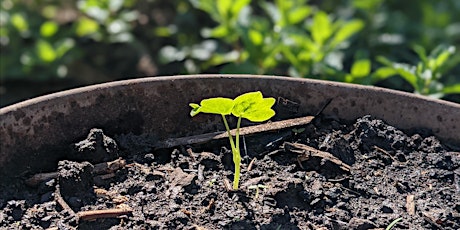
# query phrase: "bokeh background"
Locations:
[[52, 45]]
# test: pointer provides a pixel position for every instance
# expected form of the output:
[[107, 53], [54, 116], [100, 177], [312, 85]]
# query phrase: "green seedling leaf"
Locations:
[[298, 130], [218, 105], [361, 68], [195, 109], [253, 107]]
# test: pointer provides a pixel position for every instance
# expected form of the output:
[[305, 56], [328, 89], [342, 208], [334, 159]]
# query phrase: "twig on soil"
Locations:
[[338, 179], [251, 164], [190, 153], [200, 172], [197, 227], [207, 208], [104, 177], [107, 168], [431, 220], [186, 212], [40, 177], [227, 185], [61, 201], [106, 213], [385, 152], [410, 204], [270, 126], [307, 152]]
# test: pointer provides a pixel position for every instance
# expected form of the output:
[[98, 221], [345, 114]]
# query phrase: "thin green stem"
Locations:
[[235, 151], [237, 162], [237, 156], [230, 137], [237, 135]]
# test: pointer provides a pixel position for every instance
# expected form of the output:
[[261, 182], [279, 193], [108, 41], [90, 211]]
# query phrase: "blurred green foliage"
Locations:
[[411, 45]]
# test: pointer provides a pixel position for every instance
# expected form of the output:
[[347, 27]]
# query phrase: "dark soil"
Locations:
[[392, 175]]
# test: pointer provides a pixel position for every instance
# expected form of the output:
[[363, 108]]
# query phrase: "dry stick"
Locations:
[[61, 201], [109, 167], [40, 177], [251, 164], [190, 152], [410, 204], [105, 213], [197, 227], [308, 152], [385, 152], [101, 168], [431, 220], [207, 208], [200, 172], [202, 138], [227, 185]]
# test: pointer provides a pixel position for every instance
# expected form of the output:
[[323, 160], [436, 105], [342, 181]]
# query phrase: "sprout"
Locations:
[[252, 106]]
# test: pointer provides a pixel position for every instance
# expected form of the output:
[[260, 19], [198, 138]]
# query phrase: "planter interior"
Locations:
[[36, 133]]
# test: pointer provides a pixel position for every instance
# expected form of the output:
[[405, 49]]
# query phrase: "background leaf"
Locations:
[[361, 68]]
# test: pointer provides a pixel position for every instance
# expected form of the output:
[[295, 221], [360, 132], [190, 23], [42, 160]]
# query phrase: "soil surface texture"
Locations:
[[329, 174]]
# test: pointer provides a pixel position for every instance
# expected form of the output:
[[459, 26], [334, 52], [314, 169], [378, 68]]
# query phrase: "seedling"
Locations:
[[252, 106], [257, 188], [298, 131]]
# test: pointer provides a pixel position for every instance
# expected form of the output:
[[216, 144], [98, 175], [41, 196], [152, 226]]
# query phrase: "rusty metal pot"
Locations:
[[36, 133]]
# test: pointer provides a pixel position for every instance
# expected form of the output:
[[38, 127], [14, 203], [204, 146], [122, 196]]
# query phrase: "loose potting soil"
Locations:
[[328, 174]]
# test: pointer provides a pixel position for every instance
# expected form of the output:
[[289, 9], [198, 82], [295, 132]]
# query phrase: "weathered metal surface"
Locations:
[[36, 133]]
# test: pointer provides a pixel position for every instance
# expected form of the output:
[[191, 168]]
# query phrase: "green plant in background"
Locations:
[[48, 41], [89, 41], [41, 43], [108, 20], [252, 106], [283, 34], [425, 77]]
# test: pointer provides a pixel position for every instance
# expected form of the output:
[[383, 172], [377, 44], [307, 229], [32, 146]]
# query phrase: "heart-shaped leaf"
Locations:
[[218, 105], [253, 107]]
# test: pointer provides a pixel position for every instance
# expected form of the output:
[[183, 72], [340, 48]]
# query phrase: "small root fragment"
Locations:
[[105, 213], [305, 152], [410, 204], [227, 185], [251, 164]]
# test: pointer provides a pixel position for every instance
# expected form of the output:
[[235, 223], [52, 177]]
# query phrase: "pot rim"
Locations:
[[51, 96]]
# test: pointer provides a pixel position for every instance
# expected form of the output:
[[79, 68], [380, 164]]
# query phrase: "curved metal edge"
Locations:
[[83, 89]]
